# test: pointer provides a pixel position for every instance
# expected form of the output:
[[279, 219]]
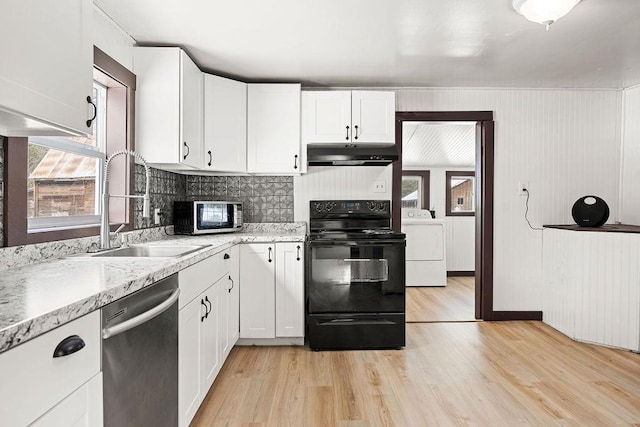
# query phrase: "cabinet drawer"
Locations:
[[194, 279], [82, 408], [33, 381]]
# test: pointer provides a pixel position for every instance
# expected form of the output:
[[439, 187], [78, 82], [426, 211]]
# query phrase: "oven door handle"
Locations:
[[368, 243], [349, 321]]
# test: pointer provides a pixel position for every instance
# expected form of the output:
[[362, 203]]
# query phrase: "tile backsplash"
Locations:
[[265, 198]]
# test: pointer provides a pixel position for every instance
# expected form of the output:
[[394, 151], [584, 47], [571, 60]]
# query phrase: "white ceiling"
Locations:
[[394, 43], [432, 145]]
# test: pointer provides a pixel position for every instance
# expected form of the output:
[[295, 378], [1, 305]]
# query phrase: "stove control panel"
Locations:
[[381, 207]]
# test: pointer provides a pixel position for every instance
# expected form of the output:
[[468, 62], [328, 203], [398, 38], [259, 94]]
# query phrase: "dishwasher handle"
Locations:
[[142, 318]]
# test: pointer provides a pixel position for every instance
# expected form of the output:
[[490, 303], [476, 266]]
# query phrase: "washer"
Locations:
[[426, 248]]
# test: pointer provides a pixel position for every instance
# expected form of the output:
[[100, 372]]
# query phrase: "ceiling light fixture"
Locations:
[[544, 12]]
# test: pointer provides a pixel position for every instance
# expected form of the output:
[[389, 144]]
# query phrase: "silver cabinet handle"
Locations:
[[298, 254], [142, 318], [270, 259], [295, 161], [210, 158], [347, 138], [356, 137], [232, 284]]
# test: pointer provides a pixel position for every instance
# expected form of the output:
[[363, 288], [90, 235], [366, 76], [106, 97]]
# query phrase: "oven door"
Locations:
[[356, 276]]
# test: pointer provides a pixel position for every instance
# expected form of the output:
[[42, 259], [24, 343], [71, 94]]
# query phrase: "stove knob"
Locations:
[[330, 206], [371, 206], [318, 207], [381, 206]]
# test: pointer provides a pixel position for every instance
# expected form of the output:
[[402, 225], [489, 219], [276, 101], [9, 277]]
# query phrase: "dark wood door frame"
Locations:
[[484, 203]]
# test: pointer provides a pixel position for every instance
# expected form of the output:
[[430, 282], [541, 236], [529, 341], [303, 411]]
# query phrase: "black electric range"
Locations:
[[355, 276]]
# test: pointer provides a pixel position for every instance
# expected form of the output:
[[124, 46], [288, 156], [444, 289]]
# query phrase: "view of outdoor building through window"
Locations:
[[411, 192], [64, 175], [462, 198]]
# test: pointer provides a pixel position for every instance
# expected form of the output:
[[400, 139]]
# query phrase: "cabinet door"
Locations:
[[290, 289], [82, 408], [257, 293], [47, 63], [225, 124], [273, 128], [373, 116], [326, 116], [229, 316], [209, 337], [191, 112], [190, 375], [234, 298], [158, 136]]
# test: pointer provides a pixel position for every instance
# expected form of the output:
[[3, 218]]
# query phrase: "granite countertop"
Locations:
[[37, 298]]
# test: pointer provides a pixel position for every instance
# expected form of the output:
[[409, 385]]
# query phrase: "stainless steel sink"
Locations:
[[144, 251]]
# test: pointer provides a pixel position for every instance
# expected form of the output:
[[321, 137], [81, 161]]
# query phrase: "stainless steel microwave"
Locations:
[[204, 217]]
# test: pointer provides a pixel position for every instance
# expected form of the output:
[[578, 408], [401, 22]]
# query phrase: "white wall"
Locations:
[[111, 39], [565, 143], [338, 182], [630, 170]]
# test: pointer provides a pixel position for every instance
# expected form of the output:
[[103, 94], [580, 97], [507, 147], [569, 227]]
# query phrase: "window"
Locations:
[[415, 189], [64, 176], [460, 193], [53, 184]]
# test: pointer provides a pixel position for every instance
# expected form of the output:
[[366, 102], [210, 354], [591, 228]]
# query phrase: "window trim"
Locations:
[[426, 185], [15, 177], [449, 175]]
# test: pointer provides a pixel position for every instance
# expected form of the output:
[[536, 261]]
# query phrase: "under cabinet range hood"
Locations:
[[351, 154]]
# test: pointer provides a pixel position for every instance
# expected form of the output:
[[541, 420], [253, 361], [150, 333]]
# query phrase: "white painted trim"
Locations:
[[114, 24], [270, 341]]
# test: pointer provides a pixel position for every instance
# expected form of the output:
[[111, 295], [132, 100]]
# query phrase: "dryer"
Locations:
[[426, 248]]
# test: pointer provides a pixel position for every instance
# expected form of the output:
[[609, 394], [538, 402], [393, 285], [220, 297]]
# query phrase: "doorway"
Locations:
[[483, 183]]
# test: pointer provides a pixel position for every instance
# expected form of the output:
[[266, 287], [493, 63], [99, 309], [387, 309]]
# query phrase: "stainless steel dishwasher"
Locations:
[[140, 357]]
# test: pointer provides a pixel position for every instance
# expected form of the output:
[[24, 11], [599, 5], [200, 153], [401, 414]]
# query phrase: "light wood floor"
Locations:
[[454, 302], [475, 373]]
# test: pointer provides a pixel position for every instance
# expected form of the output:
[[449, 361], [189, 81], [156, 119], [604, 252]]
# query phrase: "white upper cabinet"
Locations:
[[273, 129], [225, 124], [168, 108], [46, 67], [348, 117]]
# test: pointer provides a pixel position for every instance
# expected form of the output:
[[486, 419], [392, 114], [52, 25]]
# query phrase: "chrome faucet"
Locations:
[[104, 224]]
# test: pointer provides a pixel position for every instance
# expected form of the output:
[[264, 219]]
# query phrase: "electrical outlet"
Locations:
[[379, 187], [523, 188], [156, 216]]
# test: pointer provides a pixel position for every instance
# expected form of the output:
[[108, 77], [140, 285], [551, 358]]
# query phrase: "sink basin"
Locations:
[[138, 251]]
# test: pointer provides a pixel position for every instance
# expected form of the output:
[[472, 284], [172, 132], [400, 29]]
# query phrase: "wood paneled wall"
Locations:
[[630, 170]]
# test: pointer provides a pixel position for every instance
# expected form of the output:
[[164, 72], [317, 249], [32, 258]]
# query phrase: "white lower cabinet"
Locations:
[[206, 325], [272, 278], [289, 290], [257, 294], [229, 302], [82, 408], [198, 353], [45, 371]]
